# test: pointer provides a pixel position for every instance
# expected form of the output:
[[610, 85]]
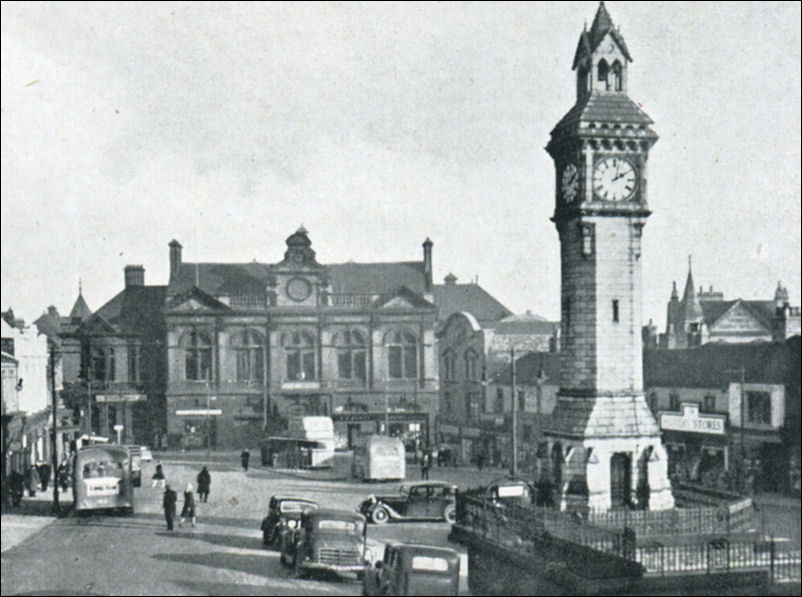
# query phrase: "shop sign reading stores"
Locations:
[[691, 420]]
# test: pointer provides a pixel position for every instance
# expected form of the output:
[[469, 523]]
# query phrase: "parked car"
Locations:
[[422, 500], [326, 540], [283, 512], [411, 569]]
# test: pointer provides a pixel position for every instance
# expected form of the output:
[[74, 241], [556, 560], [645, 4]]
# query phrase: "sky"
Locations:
[[228, 125]]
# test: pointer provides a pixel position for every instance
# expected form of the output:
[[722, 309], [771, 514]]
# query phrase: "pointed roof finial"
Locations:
[[80, 287]]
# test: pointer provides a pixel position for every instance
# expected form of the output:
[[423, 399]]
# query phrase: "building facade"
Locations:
[[119, 390], [729, 413], [604, 443], [471, 353], [705, 316], [250, 345]]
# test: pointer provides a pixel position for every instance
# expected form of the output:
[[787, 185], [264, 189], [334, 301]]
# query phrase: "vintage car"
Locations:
[[326, 540], [283, 512], [410, 569], [422, 500]]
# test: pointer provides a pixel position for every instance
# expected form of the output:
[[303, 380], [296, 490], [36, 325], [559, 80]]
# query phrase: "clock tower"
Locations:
[[605, 446]]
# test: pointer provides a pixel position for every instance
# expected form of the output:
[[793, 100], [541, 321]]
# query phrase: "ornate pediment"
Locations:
[[195, 300]]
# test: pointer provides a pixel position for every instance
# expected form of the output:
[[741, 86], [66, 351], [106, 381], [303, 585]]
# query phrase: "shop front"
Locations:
[[697, 446]]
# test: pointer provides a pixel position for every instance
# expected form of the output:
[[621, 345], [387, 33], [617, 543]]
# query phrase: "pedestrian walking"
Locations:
[[44, 475], [169, 501], [63, 476], [426, 464], [245, 457], [204, 483], [158, 476], [31, 480], [188, 510], [16, 483]]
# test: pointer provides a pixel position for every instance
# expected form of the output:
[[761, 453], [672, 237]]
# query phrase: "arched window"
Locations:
[[248, 347], [197, 347], [449, 366], [603, 70], [300, 351], [351, 355], [402, 354], [471, 371], [616, 76], [102, 363]]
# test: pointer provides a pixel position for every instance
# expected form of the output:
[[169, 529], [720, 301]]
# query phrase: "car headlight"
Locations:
[[292, 523], [369, 555], [372, 499]]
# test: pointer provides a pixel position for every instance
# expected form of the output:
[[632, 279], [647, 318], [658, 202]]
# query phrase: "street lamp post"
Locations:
[[514, 469]]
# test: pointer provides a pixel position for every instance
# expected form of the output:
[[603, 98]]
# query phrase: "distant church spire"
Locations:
[[693, 310]]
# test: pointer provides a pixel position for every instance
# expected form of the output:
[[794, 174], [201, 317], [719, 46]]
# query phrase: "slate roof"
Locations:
[[376, 278], [529, 367], [137, 310], [590, 40], [453, 298], [526, 323], [599, 106], [715, 365], [80, 310], [763, 311]]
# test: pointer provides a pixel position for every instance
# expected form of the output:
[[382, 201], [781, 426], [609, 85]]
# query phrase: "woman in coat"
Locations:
[[188, 511], [204, 482]]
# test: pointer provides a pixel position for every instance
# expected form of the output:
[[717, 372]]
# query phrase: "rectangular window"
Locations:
[[468, 413], [758, 408], [521, 400], [396, 371], [344, 364], [615, 310], [498, 406], [410, 362], [360, 365], [709, 403], [293, 365], [673, 401], [309, 365], [134, 364], [8, 346]]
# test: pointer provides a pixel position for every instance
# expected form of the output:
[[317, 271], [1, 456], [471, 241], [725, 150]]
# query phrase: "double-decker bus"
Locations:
[[102, 479], [379, 458]]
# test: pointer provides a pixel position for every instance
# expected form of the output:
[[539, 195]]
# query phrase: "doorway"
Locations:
[[620, 479]]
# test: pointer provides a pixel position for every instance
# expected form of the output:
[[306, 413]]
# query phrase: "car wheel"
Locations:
[[450, 513], [379, 515]]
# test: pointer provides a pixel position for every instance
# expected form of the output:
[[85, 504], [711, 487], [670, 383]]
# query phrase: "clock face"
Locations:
[[298, 289], [569, 183], [614, 179]]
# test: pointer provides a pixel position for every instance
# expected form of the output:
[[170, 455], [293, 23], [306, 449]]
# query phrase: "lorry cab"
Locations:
[[325, 539], [413, 569]]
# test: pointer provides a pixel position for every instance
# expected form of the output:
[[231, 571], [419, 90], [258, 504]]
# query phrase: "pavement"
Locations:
[[34, 514]]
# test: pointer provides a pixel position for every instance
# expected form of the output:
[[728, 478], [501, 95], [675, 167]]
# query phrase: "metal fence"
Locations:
[[721, 555], [622, 534], [735, 518]]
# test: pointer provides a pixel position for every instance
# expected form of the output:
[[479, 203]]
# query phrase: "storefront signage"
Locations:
[[394, 416], [691, 420], [451, 429], [199, 412], [300, 386], [120, 397]]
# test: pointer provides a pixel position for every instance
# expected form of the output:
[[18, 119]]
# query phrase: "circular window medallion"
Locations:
[[299, 289]]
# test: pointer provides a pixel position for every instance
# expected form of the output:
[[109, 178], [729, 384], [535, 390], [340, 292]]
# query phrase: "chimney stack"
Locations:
[[134, 275], [175, 258], [427, 263]]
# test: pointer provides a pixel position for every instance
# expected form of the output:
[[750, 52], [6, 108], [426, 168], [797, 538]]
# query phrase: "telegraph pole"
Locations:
[[514, 469], [56, 508]]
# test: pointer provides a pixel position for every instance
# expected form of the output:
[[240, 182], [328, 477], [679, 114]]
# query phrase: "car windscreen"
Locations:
[[289, 506], [347, 526], [429, 564]]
